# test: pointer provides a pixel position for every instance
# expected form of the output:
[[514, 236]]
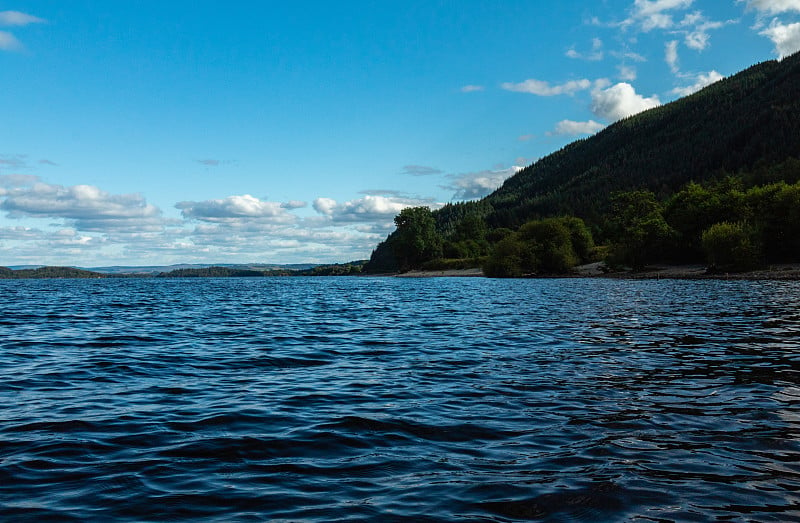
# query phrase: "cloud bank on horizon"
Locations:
[[631, 58]]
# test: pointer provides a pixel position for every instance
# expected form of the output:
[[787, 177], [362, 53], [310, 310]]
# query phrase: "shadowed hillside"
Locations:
[[732, 125], [747, 126]]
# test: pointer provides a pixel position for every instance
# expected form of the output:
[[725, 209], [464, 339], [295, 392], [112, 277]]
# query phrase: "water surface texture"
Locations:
[[381, 399]]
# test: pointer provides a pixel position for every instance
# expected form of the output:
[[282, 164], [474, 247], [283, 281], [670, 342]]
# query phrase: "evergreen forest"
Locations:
[[712, 178]]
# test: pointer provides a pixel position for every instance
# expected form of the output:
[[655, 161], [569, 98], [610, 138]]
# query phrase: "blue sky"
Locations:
[[151, 132]]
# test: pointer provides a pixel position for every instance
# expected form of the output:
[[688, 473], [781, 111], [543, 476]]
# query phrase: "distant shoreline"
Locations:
[[781, 272]]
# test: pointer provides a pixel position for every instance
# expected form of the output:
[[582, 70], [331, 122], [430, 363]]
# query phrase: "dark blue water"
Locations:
[[347, 399]]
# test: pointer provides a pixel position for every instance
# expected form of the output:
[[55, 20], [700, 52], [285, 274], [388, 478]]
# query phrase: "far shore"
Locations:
[[654, 272]]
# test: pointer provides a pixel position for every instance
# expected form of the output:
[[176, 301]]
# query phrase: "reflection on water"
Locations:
[[395, 399]]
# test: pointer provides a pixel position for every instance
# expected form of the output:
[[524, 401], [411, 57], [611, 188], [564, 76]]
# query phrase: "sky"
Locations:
[[153, 133]]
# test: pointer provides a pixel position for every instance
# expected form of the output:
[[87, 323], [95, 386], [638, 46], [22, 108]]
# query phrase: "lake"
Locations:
[[388, 399]]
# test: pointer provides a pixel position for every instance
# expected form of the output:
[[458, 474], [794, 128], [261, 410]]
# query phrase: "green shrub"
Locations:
[[549, 246], [731, 246]]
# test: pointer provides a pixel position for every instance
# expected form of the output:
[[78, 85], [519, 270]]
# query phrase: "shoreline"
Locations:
[[784, 272]]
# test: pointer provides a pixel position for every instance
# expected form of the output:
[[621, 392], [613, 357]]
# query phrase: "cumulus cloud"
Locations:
[[85, 206], [472, 88], [420, 170], [235, 208], [367, 209], [701, 80], [15, 18], [572, 128], [470, 186], [786, 37], [541, 88], [88, 225], [620, 101], [325, 206], [773, 7]]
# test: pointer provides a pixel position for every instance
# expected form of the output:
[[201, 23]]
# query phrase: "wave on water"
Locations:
[[379, 399]]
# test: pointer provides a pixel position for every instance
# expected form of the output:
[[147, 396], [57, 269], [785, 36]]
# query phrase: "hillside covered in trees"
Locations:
[[48, 273], [712, 178]]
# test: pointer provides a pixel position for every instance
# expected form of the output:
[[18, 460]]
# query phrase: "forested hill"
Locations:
[[747, 125], [732, 125]]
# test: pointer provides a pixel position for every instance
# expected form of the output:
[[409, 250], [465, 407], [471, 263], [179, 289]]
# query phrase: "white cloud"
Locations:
[[9, 18], [595, 55], [541, 88], [367, 209], [86, 206], [697, 28], [242, 207], [620, 101], [19, 233], [626, 72], [701, 80], [8, 42], [654, 14], [657, 21], [325, 206], [572, 128], [671, 55], [786, 37], [472, 88], [89, 226], [774, 7], [470, 186]]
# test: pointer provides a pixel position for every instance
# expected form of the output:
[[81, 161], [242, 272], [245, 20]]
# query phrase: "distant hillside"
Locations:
[[47, 272], [749, 123], [157, 269], [187, 271], [211, 272], [750, 118]]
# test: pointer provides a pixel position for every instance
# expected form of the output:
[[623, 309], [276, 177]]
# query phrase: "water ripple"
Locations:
[[370, 399]]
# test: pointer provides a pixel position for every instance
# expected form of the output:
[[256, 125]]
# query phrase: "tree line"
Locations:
[[733, 223]]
